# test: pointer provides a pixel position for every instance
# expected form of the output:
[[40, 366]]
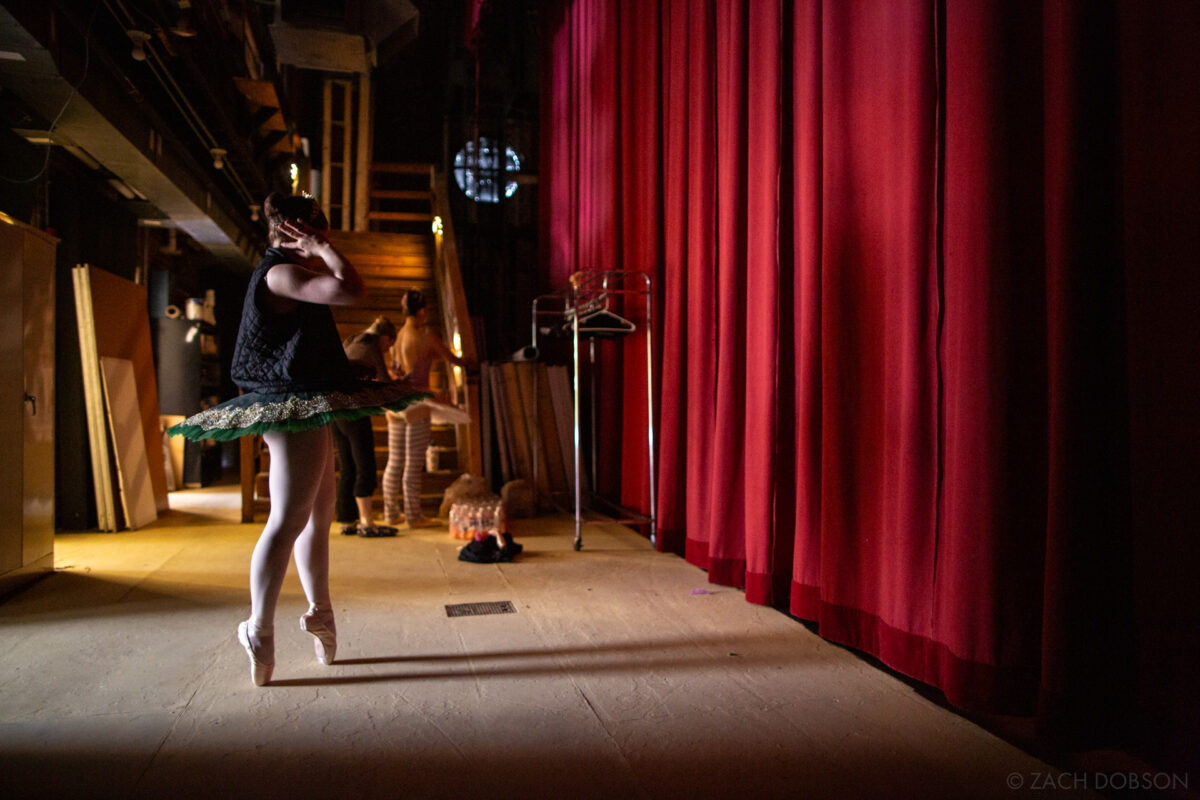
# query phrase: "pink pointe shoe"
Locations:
[[262, 656], [319, 622]]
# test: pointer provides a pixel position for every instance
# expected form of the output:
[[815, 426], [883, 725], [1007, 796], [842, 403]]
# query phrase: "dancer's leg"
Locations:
[[414, 465], [294, 481], [312, 546], [312, 564], [393, 472], [301, 469]]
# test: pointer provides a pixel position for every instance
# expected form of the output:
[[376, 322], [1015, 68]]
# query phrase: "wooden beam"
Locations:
[[362, 167], [260, 116], [268, 141], [347, 155], [326, 144], [401, 216], [400, 194]]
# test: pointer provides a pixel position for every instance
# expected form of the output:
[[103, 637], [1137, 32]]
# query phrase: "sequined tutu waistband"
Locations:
[[260, 412]]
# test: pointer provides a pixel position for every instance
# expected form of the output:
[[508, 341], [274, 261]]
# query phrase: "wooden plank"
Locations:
[[391, 268], [564, 419], [288, 145], [401, 216], [485, 424], [378, 239], [401, 194], [326, 145], [556, 476], [347, 220], [123, 331], [261, 92], [391, 296], [129, 444], [469, 436], [394, 257], [500, 415], [527, 380], [362, 166], [93, 395], [416, 263], [383, 254], [516, 418]]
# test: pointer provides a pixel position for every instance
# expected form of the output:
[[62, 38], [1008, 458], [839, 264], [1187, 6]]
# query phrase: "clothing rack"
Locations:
[[586, 309]]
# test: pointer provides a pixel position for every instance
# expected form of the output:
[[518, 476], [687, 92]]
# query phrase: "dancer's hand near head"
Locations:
[[304, 239], [328, 279]]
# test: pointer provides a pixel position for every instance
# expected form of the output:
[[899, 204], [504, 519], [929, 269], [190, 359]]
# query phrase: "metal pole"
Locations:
[[592, 395], [650, 414], [578, 451]]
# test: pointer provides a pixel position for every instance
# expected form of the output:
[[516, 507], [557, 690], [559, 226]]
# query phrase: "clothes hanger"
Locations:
[[601, 323], [585, 308]]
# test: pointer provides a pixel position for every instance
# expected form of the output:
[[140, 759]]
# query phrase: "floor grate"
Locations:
[[480, 609]]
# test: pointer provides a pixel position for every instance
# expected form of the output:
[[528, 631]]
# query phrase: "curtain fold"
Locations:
[[878, 314], [765, 579], [673, 351], [806, 181], [988, 591], [698, 405], [641, 205], [887, 246]]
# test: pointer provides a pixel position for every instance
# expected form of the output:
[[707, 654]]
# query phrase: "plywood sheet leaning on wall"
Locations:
[[129, 443], [562, 399], [503, 428], [114, 322], [535, 441], [123, 331], [93, 398], [556, 467], [519, 441]]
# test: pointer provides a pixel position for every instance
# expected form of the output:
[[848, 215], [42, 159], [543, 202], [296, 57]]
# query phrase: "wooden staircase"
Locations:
[[404, 249]]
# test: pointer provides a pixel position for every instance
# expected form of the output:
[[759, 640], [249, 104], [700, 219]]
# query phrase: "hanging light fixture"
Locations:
[[139, 39], [218, 154], [183, 25]]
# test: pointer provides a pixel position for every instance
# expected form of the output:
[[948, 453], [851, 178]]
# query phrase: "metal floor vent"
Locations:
[[480, 609]]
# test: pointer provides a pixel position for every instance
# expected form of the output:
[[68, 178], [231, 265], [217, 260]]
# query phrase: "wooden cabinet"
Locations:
[[26, 403]]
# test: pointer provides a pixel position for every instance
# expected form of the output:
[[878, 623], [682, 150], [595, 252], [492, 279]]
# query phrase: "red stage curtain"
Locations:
[[887, 244]]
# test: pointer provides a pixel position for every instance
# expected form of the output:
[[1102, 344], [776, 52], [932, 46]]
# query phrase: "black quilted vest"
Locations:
[[294, 352]]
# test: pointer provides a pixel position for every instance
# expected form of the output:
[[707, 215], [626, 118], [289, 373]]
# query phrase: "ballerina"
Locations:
[[295, 379]]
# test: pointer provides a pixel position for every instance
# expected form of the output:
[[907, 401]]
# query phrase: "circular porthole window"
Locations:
[[479, 174]]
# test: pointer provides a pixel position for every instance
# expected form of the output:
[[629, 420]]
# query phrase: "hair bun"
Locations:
[[271, 204], [414, 301]]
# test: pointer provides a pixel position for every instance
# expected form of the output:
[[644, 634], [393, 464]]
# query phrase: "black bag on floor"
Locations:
[[487, 551]]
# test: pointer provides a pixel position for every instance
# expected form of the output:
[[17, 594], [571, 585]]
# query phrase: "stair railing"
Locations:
[[464, 383]]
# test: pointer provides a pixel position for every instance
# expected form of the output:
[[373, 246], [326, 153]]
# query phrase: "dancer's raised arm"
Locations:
[[324, 275]]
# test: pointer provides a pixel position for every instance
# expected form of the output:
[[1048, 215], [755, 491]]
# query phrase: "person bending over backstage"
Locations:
[[295, 379], [354, 438], [413, 355]]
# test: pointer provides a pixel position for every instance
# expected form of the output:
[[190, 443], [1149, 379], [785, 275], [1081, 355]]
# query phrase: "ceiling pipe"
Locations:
[[167, 182]]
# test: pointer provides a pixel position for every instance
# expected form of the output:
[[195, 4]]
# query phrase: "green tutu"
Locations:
[[260, 412]]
